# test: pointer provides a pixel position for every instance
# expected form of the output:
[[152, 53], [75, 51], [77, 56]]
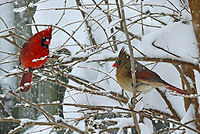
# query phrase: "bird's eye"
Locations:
[[119, 62], [45, 42]]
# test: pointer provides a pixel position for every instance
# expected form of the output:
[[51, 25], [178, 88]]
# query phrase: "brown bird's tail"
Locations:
[[172, 88], [26, 78]]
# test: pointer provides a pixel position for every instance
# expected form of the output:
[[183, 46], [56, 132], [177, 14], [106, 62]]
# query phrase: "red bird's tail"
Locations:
[[26, 78], [172, 88]]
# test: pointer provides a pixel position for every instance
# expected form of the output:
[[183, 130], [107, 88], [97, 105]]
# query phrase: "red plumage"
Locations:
[[26, 78], [34, 54], [145, 74]]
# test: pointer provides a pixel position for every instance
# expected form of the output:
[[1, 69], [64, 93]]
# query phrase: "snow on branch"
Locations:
[[78, 79]]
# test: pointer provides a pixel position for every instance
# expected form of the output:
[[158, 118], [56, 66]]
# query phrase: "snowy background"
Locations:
[[88, 37]]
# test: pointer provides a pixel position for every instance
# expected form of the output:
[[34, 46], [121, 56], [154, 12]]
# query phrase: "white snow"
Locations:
[[39, 59], [176, 38], [171, 38], [144, 129], [175, 41], [43, 78], [6, 14], [187, 118], [38, 129]]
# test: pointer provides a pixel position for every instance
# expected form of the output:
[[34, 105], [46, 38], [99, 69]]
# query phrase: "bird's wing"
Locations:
[[147, 74]]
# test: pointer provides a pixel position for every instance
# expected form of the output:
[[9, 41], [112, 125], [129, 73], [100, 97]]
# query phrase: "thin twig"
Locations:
[[153, 44], [132, 65], [98, 71], [45, 113], [169, 105], [29, 11]]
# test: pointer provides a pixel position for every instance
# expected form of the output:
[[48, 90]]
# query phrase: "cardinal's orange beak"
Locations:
[[115, 65]]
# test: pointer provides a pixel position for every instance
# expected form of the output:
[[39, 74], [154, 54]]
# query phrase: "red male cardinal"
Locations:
[[146, 80], [34, 54]]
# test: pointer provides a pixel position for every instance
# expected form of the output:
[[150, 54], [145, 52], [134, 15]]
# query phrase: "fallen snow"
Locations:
[[177, 38]]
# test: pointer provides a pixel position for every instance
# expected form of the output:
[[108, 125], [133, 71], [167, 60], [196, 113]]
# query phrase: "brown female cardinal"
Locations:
[[34, 54], [146, 80]]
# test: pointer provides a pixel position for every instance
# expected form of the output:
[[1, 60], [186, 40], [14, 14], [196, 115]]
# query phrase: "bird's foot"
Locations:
[[41, 67], [30, 69]]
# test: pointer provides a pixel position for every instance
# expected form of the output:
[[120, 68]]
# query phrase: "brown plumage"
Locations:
[[146, 80]]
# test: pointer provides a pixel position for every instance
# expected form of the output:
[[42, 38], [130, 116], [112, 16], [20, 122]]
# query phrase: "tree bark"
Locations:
[[195, 12]]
